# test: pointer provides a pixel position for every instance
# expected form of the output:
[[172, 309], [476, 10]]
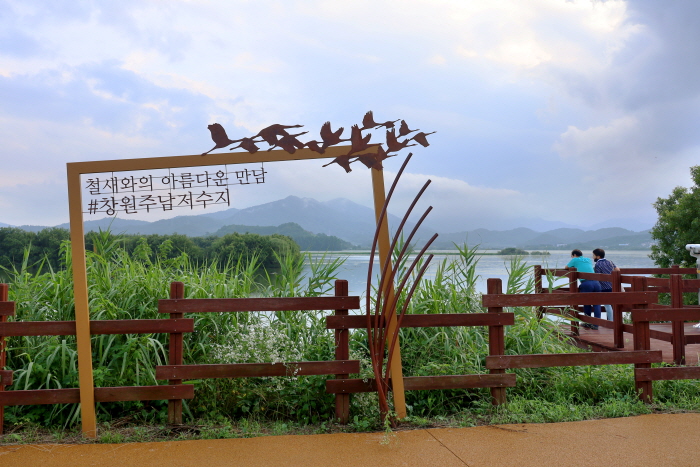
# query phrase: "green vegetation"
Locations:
[[124, 285], [678, 224], [306, 240], [520, 252], [513, 251], [18, 247]]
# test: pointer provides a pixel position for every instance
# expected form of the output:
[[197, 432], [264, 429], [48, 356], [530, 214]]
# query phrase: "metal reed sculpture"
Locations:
[[383, 321], [386, 302]]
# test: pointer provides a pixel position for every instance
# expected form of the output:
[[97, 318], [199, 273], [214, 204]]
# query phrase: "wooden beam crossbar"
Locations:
[[666, 314], [670, 373], [219, 305], [428, 320], [97, 327], [248, 370], [6, 377], [421, 383], [573, 359], [7, 308], [591, 298], [110, 394]]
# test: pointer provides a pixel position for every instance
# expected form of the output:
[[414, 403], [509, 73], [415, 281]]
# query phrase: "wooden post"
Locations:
[[573, 288], [642, 341], [618, 336], [496, 340], [677, 326], [82, 307], [385, 256], [177, 291], [4, 297], [342, 352], [538, 288]]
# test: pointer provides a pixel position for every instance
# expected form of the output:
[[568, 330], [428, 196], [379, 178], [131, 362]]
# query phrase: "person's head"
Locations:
[[598, 253], [576, 253]]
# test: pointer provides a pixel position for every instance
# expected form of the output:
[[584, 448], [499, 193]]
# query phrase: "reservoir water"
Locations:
[[354, 269]]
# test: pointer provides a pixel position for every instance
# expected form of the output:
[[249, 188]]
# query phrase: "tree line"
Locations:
[[20, 248]]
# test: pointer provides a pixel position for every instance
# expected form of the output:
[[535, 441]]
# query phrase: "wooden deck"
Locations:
[[601, 340]]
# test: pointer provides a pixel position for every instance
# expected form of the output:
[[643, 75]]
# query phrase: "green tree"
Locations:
[[678, 224]]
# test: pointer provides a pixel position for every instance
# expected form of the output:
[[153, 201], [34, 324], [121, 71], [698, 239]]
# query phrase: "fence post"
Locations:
[[677, 326], [177, 291], [642, 341], [618, 330], [342, 352], [538, 289], [496, 340], [573, 288], [4, 297]]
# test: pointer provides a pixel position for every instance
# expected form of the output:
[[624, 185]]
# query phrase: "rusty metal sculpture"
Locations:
[[277, 136], [379, 332], [383, 321]]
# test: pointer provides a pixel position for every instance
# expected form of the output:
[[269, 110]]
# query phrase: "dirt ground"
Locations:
[[647, 440]]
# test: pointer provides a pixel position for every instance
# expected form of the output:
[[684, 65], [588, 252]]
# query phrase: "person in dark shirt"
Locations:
[[604, 266]]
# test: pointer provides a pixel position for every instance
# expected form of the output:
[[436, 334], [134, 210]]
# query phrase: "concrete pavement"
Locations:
[[648, 440]]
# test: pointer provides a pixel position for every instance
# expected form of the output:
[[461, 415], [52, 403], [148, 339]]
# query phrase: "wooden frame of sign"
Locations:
[[77, 235]]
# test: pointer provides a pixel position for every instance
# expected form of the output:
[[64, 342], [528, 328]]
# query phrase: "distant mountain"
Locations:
[[630, 223], [554, 239], [354, 223]]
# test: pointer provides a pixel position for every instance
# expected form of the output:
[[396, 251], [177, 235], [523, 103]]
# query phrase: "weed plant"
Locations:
[[124, 287]]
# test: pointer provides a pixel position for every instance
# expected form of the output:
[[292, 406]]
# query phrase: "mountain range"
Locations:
[[355, 223]]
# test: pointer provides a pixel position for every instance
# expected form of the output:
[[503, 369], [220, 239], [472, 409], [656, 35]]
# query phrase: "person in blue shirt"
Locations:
[[585, 265]]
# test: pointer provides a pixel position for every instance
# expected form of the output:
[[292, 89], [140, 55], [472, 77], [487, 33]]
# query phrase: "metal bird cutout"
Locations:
[[277, 136]]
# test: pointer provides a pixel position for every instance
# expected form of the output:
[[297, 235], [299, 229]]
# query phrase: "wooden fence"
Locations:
[[641, 357], [627, 279], [497, 380], [640, 300], [67, 328], [175, 372], [176, 325]]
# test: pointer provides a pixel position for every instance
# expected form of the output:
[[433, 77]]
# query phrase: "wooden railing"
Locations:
[[642, 357], [176, 325], [628, 279], [67, 328], [176, 372], [497, 380]]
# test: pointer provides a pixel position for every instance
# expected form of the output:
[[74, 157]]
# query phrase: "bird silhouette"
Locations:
[[358, 142], [271, 133], [289, 143], [343, 161], [313, 145], [248, 144], [374, 160], [421, 139], [329, 137], [221, 139], [368, 122], [404, 130], [394, 145]]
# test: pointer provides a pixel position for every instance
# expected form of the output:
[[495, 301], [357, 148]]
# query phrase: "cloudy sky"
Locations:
[[575, 112]]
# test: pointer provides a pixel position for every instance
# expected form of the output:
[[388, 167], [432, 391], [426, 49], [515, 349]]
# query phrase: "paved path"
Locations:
[[648, 440]]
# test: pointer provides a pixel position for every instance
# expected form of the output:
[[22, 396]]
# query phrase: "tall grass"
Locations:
[[122, 287]]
